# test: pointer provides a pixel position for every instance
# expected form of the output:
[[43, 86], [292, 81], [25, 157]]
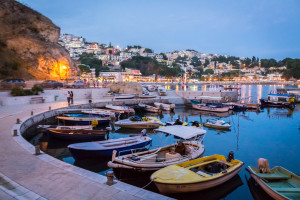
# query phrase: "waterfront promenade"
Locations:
[[24, 175]]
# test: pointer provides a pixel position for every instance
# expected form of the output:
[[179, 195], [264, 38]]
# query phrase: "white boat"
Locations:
[[150, 88], [120, 108], [134, 122], [46, 127], [146, 162], [164, 106], [98, 111], [124, 96], [146, 96], [218, 124], [162, 91]]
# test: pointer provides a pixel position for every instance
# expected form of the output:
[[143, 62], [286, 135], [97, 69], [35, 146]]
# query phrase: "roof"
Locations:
[[280, 95], [184, 132], [210, 97]]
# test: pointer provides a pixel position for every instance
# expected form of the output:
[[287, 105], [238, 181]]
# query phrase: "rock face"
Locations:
[[126, 88], [28, 45]]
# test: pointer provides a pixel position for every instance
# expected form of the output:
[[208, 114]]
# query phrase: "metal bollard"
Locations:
[[37, 150], [49, 107], [18, 121], [110, 178], [31, 113], [15, 132]]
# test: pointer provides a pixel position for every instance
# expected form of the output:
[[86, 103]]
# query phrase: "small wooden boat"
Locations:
[[164, 106], [77, 135], [241, 106], [125, 109], [209, 107], [83, 119], [138, 123], [99, 111], [146, 162], [280, 183], [46, 127], [161, 91], [217, 124], [195, 175], [105, 148], [278, 100]]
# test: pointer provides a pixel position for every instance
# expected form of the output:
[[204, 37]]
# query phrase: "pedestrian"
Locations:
[[112, 121], [68, 98], [94, 83], [97, 83], [71, 97]]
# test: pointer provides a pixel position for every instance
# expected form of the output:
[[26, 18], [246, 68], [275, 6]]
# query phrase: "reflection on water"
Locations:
[[272, 133], [256, 191]]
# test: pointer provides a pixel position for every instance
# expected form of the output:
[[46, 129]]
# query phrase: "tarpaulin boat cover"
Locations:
[[185, 132]]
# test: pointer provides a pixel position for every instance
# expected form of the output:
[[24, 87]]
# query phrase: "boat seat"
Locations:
[[287, 190], [273, 176], [202, 174]]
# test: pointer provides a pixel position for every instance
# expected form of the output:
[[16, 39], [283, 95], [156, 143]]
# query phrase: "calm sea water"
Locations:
[[271, 133]]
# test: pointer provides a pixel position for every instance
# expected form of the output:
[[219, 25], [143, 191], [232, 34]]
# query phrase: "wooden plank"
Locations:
[[287, 190]]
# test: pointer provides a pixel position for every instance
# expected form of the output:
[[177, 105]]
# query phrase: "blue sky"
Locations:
[[261, 28]]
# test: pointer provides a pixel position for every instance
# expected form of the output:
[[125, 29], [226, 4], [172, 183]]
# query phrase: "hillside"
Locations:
[[28, 45]]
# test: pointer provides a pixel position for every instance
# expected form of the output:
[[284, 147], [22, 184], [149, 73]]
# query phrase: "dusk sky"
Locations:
[[262, 28]]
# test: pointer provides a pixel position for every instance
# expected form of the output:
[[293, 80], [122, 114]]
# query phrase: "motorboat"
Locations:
[[139, 123], [146, 162], [105, 148], [164, 106], [84, 119], [125, 109], [217, 124], [196, 175], [46, 127], [99, 111], [162, 91], [209, 107], [278, 100], [146, 96], [278, 182]]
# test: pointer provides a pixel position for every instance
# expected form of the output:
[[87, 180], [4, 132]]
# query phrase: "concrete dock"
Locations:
[[24, 175]]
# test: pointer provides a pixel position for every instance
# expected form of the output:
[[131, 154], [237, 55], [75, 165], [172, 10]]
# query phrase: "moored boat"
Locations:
[[138, 123], [278, 100], [279, 183], [124, 96], [217, 124], [146, 162], [125, 109], [161, 91], [77, 135], [105, 148], [195, 175], [149, 108], [164, 106], [146, 96], [209, 107], [84, 119]]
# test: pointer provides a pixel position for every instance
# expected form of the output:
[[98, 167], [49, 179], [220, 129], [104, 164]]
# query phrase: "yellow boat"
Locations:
[[195, 175]]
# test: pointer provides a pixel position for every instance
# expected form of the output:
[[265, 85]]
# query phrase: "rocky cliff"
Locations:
[[28, 45]]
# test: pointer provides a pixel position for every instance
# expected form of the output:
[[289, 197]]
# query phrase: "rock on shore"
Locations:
[[126, 88]]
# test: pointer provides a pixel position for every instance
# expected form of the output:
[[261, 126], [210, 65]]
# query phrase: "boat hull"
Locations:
[[267, 103], [216, 126], [165, 188], [77, 137], [81, 154], [205, 108]]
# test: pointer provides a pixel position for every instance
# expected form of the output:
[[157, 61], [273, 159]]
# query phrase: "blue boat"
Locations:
[[105, 148], [84, 119]]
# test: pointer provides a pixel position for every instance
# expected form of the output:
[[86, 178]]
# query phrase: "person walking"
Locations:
[[71, 97], [68, 98]]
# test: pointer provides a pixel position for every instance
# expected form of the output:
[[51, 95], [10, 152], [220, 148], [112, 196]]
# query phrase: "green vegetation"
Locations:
[[17, 91], [293, 68], [84, 68], [209, 71], [196, 61], [135, 47], [170, 72], [89, 59], [164, 56], [147, 50], [146, 65]]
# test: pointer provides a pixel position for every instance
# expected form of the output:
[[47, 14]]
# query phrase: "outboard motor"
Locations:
[[195, 123], [230, 156], [178, 122], [143, 132]]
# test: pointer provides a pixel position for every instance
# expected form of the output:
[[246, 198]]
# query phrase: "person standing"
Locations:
[[68, 98], [71, 97]]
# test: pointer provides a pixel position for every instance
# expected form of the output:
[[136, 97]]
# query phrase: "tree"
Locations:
[[147, 50], [89, 59], [196, 61], [209, 71], [164, 56], [84, 68], [293, 69], [206, 62]]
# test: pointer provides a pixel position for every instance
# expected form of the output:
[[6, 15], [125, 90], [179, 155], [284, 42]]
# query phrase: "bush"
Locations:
[[36, 89], [17, 91]]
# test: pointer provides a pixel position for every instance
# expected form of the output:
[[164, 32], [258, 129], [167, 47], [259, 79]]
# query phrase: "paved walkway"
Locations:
[[24, 176]]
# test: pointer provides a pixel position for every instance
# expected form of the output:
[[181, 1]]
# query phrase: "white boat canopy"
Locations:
[[184, 132]]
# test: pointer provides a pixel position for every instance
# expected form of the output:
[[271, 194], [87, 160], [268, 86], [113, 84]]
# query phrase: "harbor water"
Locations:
[[271, 133]]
